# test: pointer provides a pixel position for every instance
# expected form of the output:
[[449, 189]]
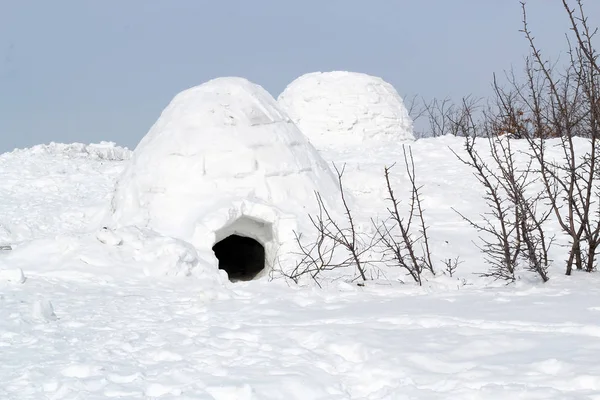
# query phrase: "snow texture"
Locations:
[[100, 151], [346, 110], [50, 192], [133, 314], [223, 159]]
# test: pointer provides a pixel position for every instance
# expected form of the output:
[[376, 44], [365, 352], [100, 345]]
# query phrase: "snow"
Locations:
[[15, 275], [163, 339], [223, 159], [43, 310], [342, 109], [46, 189], [93, 312]]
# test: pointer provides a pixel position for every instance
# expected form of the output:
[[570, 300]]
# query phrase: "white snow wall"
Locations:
[[224, 159]]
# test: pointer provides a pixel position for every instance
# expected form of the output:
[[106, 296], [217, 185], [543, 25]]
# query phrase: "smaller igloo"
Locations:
[[226, 170], [346, 110]]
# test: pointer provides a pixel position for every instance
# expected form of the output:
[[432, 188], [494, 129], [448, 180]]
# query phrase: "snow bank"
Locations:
[[109, 255], [223, 159], [56, 188], [97, 151], [346, 109]]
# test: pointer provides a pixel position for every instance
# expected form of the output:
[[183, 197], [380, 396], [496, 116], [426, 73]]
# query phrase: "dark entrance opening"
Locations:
[[241, 257]]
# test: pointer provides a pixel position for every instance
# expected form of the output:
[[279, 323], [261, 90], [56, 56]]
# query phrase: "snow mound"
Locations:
[[13, 275], [55, 188], [346, 109], [96, 151], [223, 159], [137, 253], [43, 310]]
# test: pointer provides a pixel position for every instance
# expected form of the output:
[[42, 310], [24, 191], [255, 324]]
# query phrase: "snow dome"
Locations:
[[226, 170], [344, 109]]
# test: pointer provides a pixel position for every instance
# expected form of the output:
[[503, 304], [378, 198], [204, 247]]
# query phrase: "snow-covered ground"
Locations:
[[81, 318]]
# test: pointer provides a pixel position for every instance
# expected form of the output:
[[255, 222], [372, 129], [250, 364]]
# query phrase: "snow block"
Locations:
[[43, 310], [346, 110], [12, 275]]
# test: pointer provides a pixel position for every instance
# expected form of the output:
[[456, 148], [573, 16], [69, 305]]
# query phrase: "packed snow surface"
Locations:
[[223, 159], [56, 187], [133, 314], [346, 109]]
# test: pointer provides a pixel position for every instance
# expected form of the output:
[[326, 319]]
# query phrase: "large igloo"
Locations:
[[346, 110], [226, 170]]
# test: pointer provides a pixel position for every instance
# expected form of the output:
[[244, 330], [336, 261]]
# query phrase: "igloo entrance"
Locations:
[[241, 257], [240, 248]]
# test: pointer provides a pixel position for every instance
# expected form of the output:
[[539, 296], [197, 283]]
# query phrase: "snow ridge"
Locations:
[[96, 151]]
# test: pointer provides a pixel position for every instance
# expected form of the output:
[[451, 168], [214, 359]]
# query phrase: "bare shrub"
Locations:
[[448, 118], [513, 226], [408, 247], [400, 240], [569, 105], [335, 246], [563, 105], [501, 245], [451, 265]]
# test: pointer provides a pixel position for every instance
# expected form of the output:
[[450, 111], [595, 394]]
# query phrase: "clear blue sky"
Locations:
[[87, 71]]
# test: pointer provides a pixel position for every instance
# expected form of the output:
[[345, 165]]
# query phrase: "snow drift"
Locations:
[[346, 109], [96, 151], [223, 160]]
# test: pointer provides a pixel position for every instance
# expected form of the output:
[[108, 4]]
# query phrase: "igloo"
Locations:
[[226, 170], [346, 109]]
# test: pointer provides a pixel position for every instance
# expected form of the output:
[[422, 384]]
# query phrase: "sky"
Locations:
[[91, 71]]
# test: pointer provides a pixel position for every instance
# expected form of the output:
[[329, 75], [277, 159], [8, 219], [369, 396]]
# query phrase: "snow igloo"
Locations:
[[226, 170], [346, 110]]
